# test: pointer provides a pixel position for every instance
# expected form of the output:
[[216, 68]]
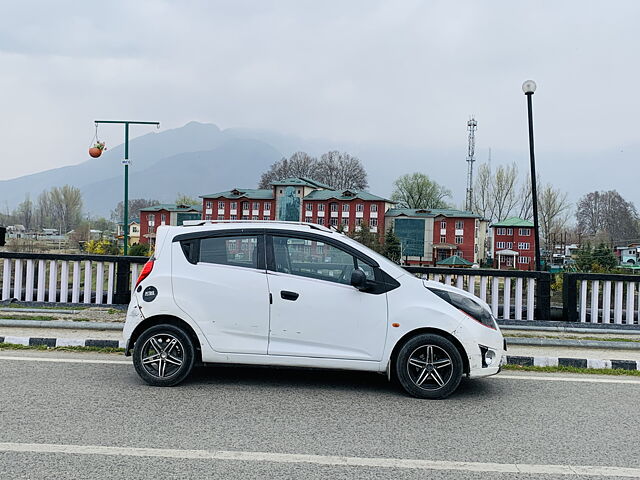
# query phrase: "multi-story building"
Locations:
[[428, 236], [514, 244], [299, 200], [166, 214]]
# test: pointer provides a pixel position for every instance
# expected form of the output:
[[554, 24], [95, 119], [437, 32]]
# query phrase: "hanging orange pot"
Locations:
[[95, 152]]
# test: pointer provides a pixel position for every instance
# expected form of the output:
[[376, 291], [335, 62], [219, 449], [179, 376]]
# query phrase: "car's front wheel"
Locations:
[[429, 366], [163, 355]]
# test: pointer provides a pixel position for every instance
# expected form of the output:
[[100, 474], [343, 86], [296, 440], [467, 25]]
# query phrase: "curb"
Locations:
[[62, 342], [554, 342], [569, 362], [62, 324]]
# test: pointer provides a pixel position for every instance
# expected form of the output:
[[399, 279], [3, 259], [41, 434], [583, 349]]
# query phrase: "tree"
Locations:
[[391, 248], [553, 210], [183, 199], [366, 237], [139, 250], [102, 247], [102, 224], [135, 206], [607, 212], [419, 191], [600, 259], [24, 213], [65, 206], [342, 171], [300, 164], [336, 169]]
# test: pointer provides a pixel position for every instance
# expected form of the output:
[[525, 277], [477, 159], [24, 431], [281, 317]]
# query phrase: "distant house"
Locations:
[[428, 236], [165, 214], [134, 231], [513, 244]]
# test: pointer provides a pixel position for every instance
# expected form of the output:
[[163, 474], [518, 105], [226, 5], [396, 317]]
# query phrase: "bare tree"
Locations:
[[66, 206], [300, 164], [419, 191], [135, 205], [608, 212], [24, 213], [483, 201], [341, 171], [525, 204], [553, 209], [505, 183]]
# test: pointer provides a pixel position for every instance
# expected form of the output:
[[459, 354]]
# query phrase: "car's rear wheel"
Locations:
[[163, 355], [429, 366]]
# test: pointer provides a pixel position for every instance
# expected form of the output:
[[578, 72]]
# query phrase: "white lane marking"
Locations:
[[244, 456], [584, 378], [64, 360]]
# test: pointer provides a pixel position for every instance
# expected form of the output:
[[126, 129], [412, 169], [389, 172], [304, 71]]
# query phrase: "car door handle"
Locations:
[[286, 295]]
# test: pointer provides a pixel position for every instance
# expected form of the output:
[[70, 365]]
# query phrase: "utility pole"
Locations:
[[471, 127], [126, 162]]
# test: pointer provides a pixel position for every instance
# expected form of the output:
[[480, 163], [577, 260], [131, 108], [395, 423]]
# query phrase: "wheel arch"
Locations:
[[436, 331], [170, 320]]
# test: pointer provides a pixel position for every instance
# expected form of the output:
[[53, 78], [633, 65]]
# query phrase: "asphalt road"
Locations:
[[66, 418]]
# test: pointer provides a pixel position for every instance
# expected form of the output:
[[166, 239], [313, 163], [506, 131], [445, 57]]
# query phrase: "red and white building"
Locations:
[[514, 244], [166, 214]]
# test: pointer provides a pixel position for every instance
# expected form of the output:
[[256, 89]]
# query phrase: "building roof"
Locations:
[[429, 213], [251, 193], [507, 252], [302, 181], [344, 195], [172, 207], [454, 260], [514, 222]]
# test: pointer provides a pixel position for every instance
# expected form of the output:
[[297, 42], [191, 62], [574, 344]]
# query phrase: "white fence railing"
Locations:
[[89, 279]]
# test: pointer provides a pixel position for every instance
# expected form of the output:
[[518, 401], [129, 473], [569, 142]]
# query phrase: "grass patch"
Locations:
[[41, 318], [563, 369], [573, 337], [115, 311], [47, 307], [14, 346]]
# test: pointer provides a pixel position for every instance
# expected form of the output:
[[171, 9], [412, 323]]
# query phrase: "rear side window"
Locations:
[[238, 251]]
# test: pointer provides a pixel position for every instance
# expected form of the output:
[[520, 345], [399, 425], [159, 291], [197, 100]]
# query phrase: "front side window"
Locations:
[[459, 240], [237, 251], [315, 259], [443, 224], [309, 207], [459, 225], [208, 204], [345, 207]]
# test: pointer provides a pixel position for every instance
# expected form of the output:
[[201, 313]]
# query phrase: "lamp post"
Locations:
[[529, 87], [125, 162]]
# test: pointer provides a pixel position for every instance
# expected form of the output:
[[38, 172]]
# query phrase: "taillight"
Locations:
[[146, 270]]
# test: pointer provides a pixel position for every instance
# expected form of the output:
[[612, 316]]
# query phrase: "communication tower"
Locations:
[[471, 127]]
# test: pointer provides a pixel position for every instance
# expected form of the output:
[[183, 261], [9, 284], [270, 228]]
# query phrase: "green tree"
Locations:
[[584, 258], [184, 199], [417, 190], [391, 248], [604, 257], [139, 250], [366, 237]]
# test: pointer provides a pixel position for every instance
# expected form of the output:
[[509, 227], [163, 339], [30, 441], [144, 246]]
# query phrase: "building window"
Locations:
[[321, 207], [152, 219], [373, 222], [443, 224], [234, 205], [220, 217], [509, 231], [308, 220], [524, 245], [163, 218], [267, 206], [345, 222], [309, 207], [459, 225], [334, 222], [459, 239], [320, 221], [255, 217], [233, 217], [345, 207], [266, 218], [207, 217], [245, 205], [208, 204], [360, 207], [524, 232], [373, 208], [501, 231], [256, 205], [500, 244], [220, 205], [509, 245], [334, 207], [524, 260]]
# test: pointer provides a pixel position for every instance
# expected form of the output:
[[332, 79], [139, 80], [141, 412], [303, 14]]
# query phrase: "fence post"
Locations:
[[122, 294], [543, 294], [569, 298]]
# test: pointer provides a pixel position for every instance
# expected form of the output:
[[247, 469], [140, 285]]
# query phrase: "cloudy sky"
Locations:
[[372, 73]]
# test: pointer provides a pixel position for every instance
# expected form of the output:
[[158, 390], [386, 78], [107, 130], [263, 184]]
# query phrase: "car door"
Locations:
[[315, 312], [220, 281]]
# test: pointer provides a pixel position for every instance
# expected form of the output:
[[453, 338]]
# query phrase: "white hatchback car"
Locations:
[[301, 295]]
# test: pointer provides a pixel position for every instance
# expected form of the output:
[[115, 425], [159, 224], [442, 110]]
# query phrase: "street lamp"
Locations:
[[126, 163], [529, 87]]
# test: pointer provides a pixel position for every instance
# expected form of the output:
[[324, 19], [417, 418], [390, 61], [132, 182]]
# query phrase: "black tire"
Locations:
[[429, 366], [163, 355]]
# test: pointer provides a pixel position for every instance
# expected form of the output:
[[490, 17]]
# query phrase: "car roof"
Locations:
[[198, 225]]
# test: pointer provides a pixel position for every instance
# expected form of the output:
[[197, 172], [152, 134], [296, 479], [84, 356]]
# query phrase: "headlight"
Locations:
[[467, 305]]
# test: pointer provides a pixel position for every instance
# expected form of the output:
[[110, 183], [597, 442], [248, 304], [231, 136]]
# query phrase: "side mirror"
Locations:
[[358, 279]]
